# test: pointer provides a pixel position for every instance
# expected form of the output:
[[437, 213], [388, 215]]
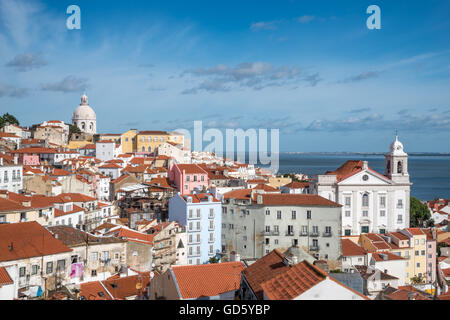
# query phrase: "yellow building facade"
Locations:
[[148, 141]]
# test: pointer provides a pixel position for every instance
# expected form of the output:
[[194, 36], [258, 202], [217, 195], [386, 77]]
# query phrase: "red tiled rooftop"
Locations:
[[349, 248], [208, 280]]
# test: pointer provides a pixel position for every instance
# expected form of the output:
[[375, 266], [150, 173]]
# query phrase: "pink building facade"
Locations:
[[189, 178]]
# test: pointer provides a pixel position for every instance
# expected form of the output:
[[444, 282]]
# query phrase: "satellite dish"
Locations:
[[152, 274]]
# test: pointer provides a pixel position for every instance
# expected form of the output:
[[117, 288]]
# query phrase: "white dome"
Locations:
[[84, 111], [397, 147]]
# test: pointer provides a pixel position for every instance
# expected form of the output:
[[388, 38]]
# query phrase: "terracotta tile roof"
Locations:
[[7, 205], [264, 269], [415, 231], [378, 256], [191, 169], [153, 132], [446, 272], [399, 235], [27, 240], [265, 187], [76, 197], [297, 185], [243, 194], [199, 197], [5, 279], [350, 168], [8, 135], [122, 177], [132, 235], [36, 150], [405, 292], [295, 199], [73, 237], [293, 281], [94, 291], [110, 166], [88, 146], [124, 287], [208, 280], [60, 213], [60, 172], [349, 249]]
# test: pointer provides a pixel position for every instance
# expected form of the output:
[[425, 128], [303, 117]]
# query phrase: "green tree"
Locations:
[[73, 129], [418, 213], [8, 118], [417, 280], [214, 260]]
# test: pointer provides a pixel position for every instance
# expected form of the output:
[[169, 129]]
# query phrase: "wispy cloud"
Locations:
[[362, 76], [25, 62], [68, 84], [264, 25], [12, 92], [253, 75], [305, 19], [359, 110]]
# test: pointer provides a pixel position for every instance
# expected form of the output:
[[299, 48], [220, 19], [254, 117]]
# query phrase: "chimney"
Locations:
[[234, 256], [294, 260], [365, 165]]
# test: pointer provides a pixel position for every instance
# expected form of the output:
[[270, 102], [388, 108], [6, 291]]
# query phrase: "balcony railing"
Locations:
[[290, 233], [313, 248], [314, 234], [303, 233], [326, 234], [275, 233], [266, 233]]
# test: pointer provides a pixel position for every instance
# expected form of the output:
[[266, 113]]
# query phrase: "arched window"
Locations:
[[149, 149], [365, 200], [90, 126], [143, 149], [400, 167], [83, 126]]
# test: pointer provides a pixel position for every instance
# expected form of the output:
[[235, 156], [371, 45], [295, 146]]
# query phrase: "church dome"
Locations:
[[84, 111], [397, 147]]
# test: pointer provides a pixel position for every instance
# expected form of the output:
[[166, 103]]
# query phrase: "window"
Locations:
[[417, 252], [188, 178], [49, 268], [365, 213], [348, 202], [34, 269], [290, 230], [294, 215], [315, 230], [198, 225], [400, 204], [94, 273], [61, 265], [423, 252], [40, 213], [347, 213], [276, 229], [348, 232], [267, 212], [3, 219], [399, 218], [423, 241], [198, 213], [22, 271], [417, 241], [382, 201], [382, 213], [116, 256], [365, 200], [304, 229], [418, 264], [190, 213], [202, 178], [365, 229], [276, 241], [195, 178], [267, 229], [328, 230], [267, 241], [308, 214], [278, 214], [382, 231], [211, 224], [94, 256]]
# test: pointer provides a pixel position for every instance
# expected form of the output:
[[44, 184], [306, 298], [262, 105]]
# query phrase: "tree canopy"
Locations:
[[419, 213], [8, 118]]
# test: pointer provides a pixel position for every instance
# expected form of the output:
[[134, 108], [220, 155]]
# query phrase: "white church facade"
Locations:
[[84, 117], [371, 202]]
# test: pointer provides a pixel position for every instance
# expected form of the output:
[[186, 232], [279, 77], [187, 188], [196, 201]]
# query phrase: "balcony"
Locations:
[[290, 233], [266, 233], [326, 234], [314, 234], [314, 248], [275, 233], [303, 233]]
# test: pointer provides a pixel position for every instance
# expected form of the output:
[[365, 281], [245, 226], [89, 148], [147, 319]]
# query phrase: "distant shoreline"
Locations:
[[437, 154]]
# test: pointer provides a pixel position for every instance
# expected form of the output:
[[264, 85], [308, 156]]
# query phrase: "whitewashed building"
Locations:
[[371, 202]]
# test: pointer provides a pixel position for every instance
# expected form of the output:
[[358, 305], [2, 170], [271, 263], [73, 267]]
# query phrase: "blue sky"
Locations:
[[309, 68]]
